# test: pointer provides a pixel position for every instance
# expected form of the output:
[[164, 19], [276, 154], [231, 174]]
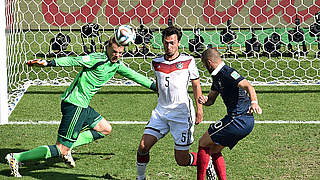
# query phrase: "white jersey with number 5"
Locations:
[[172, 79]]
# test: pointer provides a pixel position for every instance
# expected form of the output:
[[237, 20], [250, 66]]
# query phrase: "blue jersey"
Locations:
[[225, 81]]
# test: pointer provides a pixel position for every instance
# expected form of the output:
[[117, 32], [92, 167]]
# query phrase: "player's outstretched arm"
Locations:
[[254, 108], [64, 62], [137, 77]]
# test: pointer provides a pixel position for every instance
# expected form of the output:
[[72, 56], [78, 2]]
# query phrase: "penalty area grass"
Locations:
[[271, 151]]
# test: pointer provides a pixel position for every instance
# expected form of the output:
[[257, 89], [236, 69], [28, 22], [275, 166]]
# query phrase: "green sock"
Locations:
[[87, 137], [41, 152]]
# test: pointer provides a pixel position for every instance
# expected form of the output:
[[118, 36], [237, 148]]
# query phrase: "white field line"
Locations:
[[145, 122]]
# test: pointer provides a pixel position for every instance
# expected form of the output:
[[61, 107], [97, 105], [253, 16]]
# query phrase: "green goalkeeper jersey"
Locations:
[[96, 71]]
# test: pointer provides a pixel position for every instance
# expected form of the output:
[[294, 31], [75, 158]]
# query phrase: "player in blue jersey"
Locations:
[[80, 123], [238, 122]]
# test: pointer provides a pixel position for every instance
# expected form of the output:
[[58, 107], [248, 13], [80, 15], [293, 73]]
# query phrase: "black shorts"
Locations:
[[231, 129], [74, 120]]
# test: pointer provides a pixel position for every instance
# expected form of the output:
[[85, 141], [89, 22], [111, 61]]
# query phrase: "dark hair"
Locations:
[[171, 31]]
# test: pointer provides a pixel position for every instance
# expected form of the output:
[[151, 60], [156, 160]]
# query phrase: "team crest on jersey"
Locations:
[[235, 75], [179, 66]]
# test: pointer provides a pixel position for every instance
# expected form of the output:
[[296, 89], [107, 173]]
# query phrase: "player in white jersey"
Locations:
[[174, 111], [172, 80]]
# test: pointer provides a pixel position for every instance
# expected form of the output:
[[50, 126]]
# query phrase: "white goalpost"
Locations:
[[269, 42], [3, 67]]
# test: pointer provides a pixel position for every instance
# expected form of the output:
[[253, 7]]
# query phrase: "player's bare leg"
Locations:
[[143, 157], [218, 160], [185, 158], [100, 130], [103, 127]]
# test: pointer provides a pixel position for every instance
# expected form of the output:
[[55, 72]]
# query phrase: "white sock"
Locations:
[[141, 170]]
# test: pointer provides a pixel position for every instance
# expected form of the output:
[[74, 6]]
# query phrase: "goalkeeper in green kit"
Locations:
[[77, 115]]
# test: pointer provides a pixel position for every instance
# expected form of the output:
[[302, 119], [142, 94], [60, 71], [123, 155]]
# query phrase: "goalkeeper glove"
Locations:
[[37, 62]]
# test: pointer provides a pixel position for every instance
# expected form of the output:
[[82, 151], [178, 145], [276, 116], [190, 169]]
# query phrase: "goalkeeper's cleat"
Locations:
[[14, 165], [68, 160], [210, 172], [37, 62]]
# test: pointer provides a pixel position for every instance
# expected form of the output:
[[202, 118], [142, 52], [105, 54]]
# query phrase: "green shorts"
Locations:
[[74, 120]]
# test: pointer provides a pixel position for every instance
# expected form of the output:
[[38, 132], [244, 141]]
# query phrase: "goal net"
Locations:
[[269, 42]]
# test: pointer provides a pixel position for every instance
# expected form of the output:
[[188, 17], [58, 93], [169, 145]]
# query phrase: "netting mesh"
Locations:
[[269, 42]]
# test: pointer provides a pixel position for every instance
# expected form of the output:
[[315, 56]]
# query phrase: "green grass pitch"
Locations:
[[271, 151]]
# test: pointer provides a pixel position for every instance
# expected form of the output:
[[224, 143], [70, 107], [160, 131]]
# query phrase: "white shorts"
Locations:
[[181, 128]]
